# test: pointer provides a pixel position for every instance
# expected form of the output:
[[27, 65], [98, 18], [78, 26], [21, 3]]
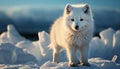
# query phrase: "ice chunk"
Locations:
[[116, 39], [97, 48], [103, 47], [116, 45], [30, 48], [44, 41], [13, 35], [114, 58], [3, 38], [37, 48], [107, 36]]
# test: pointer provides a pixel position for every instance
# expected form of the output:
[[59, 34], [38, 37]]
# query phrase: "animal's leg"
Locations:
[[56, 54], [84, 56], [71, 54]]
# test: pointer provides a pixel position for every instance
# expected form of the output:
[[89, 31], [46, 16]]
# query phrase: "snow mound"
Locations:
[[64, 65], [44, 40], [10, 54], [11, 36], [35, 50], [96, 63], [106, 46], [30, 48], [116, 45]]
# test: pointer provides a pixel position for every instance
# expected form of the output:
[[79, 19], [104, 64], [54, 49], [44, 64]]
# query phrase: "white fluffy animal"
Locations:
[[73, 31]]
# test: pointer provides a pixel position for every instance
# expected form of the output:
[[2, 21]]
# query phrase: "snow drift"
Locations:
[[96, 63], [106, 46], [11, 41], [23, 53]]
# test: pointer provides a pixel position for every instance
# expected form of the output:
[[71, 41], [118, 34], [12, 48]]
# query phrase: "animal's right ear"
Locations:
[[68, 8], [86, 8]]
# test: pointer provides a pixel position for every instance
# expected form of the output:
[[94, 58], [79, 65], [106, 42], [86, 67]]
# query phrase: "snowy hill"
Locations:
[[19, 52]]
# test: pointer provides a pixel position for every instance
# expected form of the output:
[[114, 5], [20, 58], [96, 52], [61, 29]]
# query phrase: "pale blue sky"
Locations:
[[114, 4]]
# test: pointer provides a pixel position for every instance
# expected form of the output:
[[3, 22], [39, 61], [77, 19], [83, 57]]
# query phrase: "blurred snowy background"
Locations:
[[31, 16], [24, 28]]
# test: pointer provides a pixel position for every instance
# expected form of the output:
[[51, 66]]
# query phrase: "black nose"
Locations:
[[76, 27]]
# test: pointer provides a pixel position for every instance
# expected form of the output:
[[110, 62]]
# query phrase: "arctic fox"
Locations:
[[73, 31]]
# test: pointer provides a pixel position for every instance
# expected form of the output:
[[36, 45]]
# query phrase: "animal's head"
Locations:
[[78, 17]]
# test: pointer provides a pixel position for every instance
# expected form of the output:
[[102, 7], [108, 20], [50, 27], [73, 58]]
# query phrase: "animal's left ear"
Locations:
[[86, 9], [68, 8]]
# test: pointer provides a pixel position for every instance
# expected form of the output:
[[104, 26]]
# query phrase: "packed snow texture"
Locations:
[[107, 46], [96, 63], [19, 52], [15, 49]]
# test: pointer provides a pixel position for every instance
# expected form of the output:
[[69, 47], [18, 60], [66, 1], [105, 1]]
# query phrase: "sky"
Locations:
[[34, 12], [113, 4]]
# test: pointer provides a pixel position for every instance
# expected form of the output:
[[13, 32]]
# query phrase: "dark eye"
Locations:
[[72, 19], [81, 19]]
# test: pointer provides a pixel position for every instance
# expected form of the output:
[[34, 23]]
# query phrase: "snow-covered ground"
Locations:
[[19, 52]]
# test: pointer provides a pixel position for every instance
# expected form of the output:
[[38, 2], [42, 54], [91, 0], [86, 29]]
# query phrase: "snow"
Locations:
[[11, 36], [19, 52], [64, 65], [10, 54], [96, 63], [106, 46], [37, 51]]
